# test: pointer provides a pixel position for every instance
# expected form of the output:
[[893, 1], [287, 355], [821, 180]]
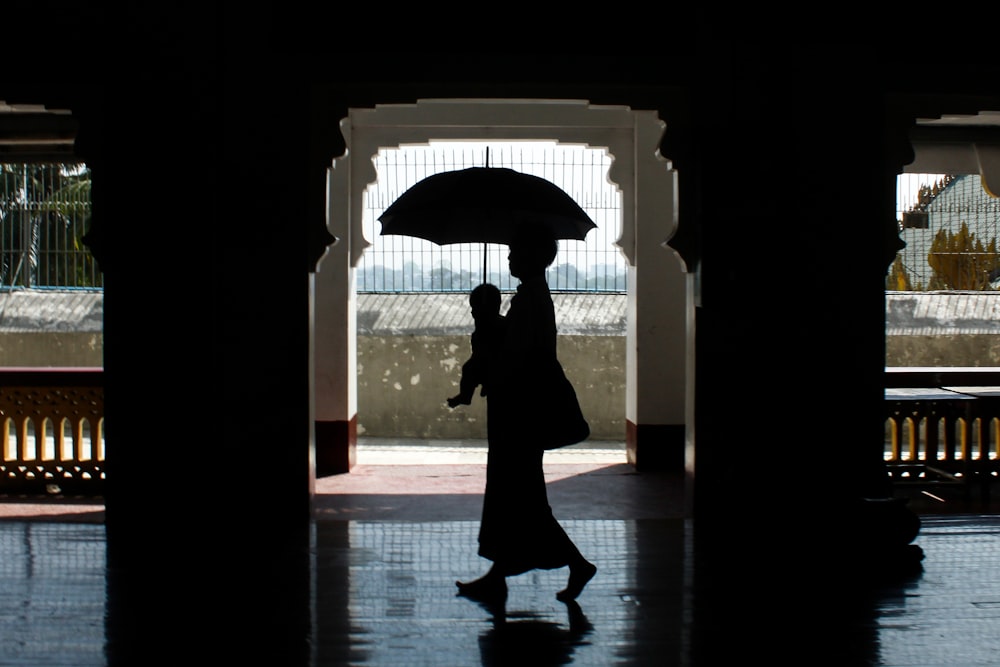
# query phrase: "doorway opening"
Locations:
[[627, 139]]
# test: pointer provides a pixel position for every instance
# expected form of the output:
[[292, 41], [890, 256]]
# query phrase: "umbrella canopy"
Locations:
[[483, 205]]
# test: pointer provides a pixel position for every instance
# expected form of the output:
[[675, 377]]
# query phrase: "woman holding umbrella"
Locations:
[[518, 531]]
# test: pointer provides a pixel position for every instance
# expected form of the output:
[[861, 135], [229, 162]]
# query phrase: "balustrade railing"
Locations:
[[942, 425], [53, 430]]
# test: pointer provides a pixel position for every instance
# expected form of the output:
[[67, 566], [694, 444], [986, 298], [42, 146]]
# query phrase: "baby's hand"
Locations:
[[455, 401]]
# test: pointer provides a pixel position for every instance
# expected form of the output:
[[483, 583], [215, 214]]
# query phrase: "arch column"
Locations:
[[334, 313], [660, 313]]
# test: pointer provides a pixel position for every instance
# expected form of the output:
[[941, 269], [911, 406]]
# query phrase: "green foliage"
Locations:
[[44, 213], [960, 261]]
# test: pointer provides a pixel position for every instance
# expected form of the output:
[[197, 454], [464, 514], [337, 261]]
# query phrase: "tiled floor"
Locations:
[[383, 566]]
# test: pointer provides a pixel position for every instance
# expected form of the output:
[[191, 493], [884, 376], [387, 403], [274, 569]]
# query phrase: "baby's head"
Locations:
[[484, 300]]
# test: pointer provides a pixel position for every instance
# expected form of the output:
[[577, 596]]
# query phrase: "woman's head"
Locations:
[[533, 248]]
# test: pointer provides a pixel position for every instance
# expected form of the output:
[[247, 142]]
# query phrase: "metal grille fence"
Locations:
[[44, 213], [45, 210], [409, 264], [950, 229]]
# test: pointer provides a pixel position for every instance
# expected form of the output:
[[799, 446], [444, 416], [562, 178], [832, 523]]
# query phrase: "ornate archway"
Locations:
[[660, 304]]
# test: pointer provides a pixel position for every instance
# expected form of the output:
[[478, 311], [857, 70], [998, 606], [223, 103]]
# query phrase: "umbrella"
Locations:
[[483, 205]]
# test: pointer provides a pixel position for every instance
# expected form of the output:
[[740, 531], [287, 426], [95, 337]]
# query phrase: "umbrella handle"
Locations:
[[485, 245]]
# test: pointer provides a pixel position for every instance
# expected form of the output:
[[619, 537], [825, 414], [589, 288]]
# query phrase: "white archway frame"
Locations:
[[660, 304]]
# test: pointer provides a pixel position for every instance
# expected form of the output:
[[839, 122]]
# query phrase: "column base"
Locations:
[[336, 446], [655, 447]]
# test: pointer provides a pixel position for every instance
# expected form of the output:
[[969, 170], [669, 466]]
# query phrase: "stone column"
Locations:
[[659, 298], [335, 339]]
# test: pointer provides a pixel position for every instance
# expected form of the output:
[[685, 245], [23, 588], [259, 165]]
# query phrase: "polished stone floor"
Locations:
[[391, 538]]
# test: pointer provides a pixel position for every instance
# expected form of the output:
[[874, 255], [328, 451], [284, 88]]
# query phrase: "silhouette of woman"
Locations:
[[518, 531]]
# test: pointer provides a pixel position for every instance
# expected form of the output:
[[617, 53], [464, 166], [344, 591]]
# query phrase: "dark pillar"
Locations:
[[201, 229], [793, 202]]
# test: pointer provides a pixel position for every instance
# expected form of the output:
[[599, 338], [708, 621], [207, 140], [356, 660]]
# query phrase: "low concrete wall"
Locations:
[[942, 329], [411, 349], [51, 328], [46, 348], [403, 382], [946, 350]]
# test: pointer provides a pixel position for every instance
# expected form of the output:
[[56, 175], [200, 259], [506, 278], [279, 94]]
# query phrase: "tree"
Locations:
[[927, 193], [960, 261], [898, 279], [44, 213], [565, 277]]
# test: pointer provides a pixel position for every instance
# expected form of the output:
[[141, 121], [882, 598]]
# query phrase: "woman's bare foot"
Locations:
[[579, 575], [488, 588]]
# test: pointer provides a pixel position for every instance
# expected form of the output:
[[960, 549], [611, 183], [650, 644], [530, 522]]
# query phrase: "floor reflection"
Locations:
[[383, 593], [524, 638], [400, 590]]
